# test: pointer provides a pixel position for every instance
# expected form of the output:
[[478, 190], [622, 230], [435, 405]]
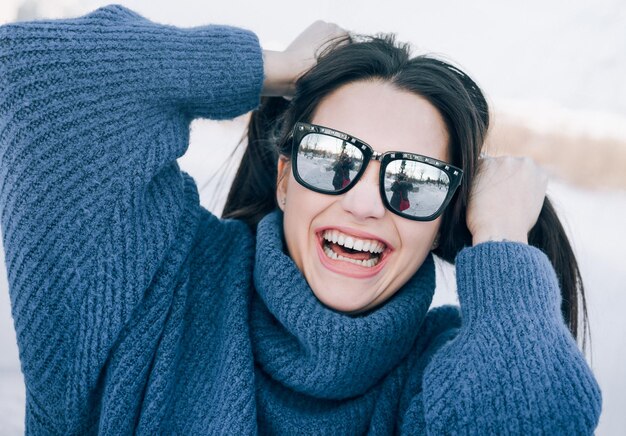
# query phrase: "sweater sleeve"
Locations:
[[94, 210], [514, 368]]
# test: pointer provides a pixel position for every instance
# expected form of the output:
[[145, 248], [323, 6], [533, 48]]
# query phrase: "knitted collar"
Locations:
[[310, 348]]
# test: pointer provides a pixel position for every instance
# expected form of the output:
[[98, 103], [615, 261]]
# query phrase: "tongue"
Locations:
[[346, 252]]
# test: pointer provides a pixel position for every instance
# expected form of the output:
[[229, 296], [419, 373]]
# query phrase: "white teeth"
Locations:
[[358, 245], [352, 242], [349, 242], [366, 263]]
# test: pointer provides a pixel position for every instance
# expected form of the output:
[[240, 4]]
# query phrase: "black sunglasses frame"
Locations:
[[302, 129]]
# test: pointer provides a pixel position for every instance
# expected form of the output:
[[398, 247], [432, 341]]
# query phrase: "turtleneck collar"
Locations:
[[310, 348]]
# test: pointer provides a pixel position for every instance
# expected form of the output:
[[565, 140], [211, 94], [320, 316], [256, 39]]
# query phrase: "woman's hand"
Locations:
[[506, 198], [282, 68]]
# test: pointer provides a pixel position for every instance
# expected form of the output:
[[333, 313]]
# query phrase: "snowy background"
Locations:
[[554, 72]]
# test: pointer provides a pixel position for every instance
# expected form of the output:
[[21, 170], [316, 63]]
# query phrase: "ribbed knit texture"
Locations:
[[136, 310]]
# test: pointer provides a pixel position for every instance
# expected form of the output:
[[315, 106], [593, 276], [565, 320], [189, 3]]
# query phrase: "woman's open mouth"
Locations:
[[364, 252], [351, 255]]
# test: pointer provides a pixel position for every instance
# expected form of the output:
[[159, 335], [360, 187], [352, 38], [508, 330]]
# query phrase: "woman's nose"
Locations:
[[363, 199]]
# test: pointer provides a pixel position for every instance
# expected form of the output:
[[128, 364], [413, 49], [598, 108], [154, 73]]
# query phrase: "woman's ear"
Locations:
[[284, 165]]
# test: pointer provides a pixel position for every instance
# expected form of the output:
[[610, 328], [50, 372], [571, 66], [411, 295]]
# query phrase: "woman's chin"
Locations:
[[347, 299]]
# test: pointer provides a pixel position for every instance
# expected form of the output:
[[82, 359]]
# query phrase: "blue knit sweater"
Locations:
[[136, 310]]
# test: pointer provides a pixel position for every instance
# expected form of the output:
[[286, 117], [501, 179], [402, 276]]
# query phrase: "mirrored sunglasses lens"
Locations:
[[326, 162], [415, 188]]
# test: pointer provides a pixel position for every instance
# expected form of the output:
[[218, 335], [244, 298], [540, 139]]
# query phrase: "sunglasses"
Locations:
[[411, 185]]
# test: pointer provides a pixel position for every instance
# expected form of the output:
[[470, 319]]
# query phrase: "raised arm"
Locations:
[[514, 368], [96, 216]]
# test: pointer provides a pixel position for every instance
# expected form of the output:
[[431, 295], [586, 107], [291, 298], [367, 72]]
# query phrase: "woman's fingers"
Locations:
[[282, 68], [314, 39], [505, 199]]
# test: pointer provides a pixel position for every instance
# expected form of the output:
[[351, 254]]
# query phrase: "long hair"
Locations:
[[466, 114]]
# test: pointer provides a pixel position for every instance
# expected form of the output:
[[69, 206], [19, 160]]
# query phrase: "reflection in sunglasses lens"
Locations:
[[415, 188], [326, 162]]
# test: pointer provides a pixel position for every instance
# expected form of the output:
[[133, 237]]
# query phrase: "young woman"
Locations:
[[305, 309]]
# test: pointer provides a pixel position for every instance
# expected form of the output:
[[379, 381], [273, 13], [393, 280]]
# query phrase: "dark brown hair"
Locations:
[[461, 104]]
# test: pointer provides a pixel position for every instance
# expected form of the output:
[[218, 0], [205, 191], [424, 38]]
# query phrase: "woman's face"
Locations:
[[387, 119]]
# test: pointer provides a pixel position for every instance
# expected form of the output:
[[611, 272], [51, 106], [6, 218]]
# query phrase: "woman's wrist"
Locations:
[[495, 235], [279, 77]]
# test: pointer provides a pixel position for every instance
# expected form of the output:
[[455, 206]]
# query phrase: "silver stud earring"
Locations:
[[283, 201], [435, 242]]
